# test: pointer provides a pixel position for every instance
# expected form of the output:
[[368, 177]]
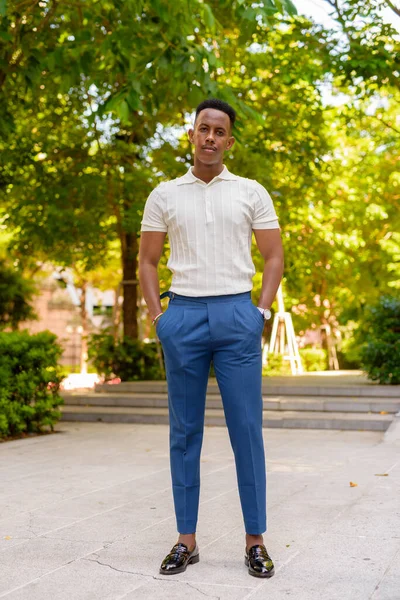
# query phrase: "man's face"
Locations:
[[211, 136]]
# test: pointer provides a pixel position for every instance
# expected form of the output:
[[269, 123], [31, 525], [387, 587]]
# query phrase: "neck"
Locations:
[[206, 172]]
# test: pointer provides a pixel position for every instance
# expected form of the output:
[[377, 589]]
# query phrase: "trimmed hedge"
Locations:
[[313, 359], [276, 366], [29, 382], [129, 359], [132, 360], [380, 355]]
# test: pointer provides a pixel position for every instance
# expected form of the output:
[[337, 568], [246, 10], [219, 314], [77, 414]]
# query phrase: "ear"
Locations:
[[230, 142], [190, 136]]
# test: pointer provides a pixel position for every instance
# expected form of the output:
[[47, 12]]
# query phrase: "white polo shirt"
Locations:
[[209, 226]]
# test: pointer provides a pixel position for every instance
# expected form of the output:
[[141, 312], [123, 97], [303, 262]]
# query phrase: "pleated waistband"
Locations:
[[206, 299]]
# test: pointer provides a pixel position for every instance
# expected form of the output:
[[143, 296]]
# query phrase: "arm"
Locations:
[[150, 251], [269, 243]]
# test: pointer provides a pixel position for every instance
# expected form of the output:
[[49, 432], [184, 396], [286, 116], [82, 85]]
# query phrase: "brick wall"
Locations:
[[57, 313]]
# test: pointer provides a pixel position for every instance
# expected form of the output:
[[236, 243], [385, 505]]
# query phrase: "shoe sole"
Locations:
[[192, 561], [271, 573]]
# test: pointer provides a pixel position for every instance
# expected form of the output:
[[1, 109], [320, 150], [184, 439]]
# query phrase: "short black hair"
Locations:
[[218, 105]]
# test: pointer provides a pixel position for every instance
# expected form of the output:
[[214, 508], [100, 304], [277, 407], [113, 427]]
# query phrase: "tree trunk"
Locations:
[[116, 318], [85, 332], [129, 268]]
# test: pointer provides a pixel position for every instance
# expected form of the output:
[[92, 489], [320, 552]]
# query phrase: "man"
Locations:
[[209, 215]]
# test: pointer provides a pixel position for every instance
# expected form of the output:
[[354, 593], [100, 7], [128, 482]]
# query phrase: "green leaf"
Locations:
[[123, 111], [3, 8], [249, 14], [290, 7], [135, 83], [162, 9], [112, 102], [133, 100], [4, 35], [212, 59], [209, 18], [195, 96], [51, 61]]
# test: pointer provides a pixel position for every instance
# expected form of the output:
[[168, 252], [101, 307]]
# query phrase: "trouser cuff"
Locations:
[[255, 528], [186, 528]]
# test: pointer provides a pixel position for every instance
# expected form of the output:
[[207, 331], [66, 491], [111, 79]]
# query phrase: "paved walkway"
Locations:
[[86, 514]]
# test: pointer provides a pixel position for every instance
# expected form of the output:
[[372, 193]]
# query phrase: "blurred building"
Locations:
[[57, 306]]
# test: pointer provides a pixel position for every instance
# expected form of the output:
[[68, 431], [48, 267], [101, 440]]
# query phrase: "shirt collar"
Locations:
[[190, 178]]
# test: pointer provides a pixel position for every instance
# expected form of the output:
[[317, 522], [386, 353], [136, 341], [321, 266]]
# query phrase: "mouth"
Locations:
[[208, 149]]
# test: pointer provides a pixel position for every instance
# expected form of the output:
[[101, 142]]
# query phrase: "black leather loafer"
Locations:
[[259, 561], [178, 559]]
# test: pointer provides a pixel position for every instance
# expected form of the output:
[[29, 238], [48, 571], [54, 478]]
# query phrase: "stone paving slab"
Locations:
[[87, 513]]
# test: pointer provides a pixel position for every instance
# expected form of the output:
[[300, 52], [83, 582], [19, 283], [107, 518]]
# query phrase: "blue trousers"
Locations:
[[226, 330]]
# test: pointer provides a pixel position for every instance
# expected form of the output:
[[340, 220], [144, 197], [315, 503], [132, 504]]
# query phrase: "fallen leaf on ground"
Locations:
[[7, 537], [383, 412], [352, 484], [381, 474]]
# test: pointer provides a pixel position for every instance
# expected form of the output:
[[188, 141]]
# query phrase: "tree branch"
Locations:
[[340, 18], [394, 8], [388, 125], [18, 6], [48, 16]]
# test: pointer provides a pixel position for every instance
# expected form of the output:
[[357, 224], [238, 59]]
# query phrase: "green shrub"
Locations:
[[349, 350], [314, 359], [129, 359], [276, 366], [349, 358], [380, 355], [30, 380]]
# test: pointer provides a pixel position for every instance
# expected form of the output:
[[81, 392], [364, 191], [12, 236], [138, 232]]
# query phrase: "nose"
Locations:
[[210, 137]]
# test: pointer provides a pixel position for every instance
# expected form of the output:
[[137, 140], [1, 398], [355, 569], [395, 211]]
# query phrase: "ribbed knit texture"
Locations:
[[209, 228]]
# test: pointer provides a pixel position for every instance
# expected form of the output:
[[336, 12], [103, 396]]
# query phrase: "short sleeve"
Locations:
[[264, 215], [153, 215]]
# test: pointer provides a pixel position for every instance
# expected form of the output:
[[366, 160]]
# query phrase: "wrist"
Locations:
[[155, 319], [154, 313], [266, 312]]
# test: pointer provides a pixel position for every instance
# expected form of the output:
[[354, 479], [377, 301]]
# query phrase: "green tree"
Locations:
[[92, 98], [15, 296], [366, 54], [143, 63]]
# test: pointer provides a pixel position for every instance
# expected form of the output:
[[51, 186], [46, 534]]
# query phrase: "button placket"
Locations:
[[209, 214]]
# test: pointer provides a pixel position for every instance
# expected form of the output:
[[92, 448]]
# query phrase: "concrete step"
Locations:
[[298, 403], [275, 386], [283, 418]]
